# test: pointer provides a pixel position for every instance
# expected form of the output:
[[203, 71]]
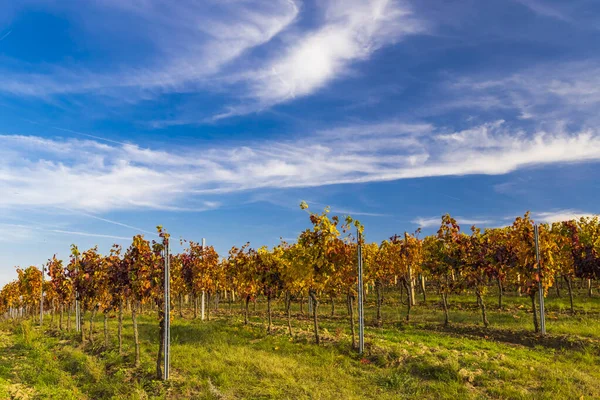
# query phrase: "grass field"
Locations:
[[225, 359]]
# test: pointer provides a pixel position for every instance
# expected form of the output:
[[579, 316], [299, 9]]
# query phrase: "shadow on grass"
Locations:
[[195, 331], [520, 337]]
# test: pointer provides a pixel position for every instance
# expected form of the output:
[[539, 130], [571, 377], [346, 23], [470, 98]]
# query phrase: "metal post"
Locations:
[[361, 320], [540, 286], [42, 299], [202, 306], [411, 281], [167, 317], [77, 308], [77, 318]]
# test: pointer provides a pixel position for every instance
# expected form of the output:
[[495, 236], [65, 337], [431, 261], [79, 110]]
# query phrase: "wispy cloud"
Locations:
[[343, 210], [545, 93], [15, 233], [191, 41], [220, 47], [545, 8], [510, 186], [430, 222], [426, 222], [351, 31], [559, 215], [293, 203], [91, 177]]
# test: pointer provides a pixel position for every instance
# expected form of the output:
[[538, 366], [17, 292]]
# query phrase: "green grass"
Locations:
[[223, 358]]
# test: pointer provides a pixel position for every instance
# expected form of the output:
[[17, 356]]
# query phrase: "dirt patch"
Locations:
[[20, 392]]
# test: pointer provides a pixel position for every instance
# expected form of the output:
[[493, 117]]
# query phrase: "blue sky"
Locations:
[[216, 118]]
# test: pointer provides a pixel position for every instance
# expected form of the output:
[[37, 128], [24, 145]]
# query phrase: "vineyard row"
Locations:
[[321, 264]]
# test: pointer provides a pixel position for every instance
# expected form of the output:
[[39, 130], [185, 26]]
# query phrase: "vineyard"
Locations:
[[457, 312]]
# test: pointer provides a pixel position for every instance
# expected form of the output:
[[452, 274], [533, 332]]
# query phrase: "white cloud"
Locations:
[[292, 203], [559, 215], [469, 222], [14, 233], [351, 31], [194, 45], [191, 47], [429, 222], [189, 42], [343, 210], [545, 8], [86, 175], [550, 94]]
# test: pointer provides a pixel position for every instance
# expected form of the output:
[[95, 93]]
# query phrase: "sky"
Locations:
[[216, 119]]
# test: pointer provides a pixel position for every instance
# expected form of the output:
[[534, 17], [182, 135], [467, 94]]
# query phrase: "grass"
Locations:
[[225, 359]]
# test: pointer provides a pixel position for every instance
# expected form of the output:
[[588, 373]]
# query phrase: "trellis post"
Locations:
[[167, 316], [77, 307], [42, 299], [361, 319], [203, 301], [540, 285]]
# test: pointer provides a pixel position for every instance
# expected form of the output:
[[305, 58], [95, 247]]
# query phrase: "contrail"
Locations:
[[88, 135], [109, 221], [78, 233], [88, 234], [58, 128], [5, 35], [451, 197]]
